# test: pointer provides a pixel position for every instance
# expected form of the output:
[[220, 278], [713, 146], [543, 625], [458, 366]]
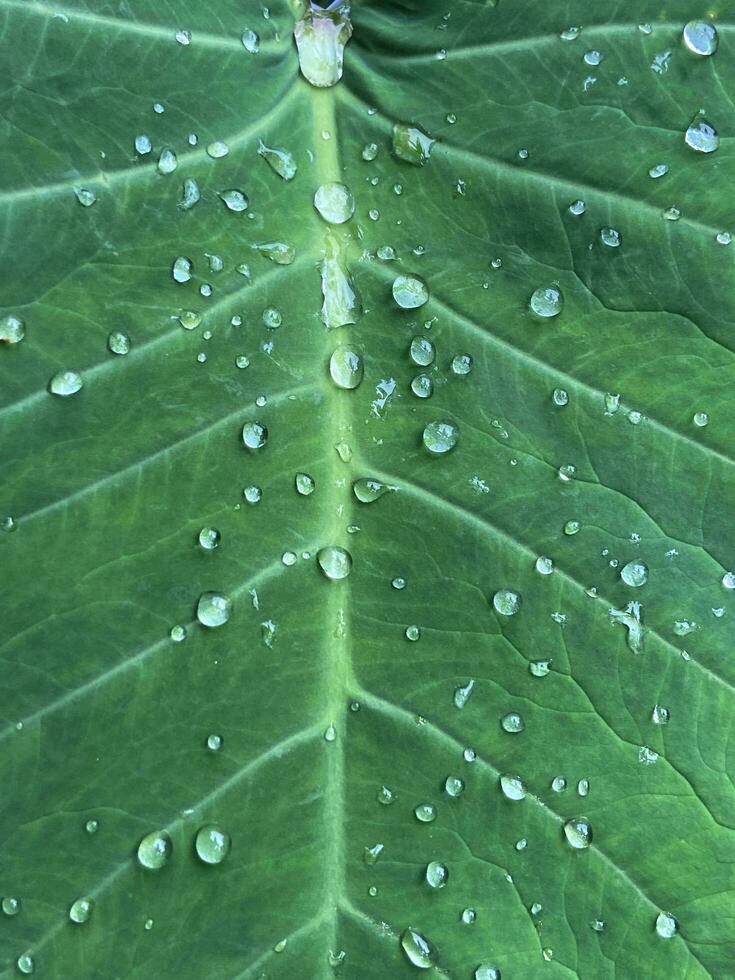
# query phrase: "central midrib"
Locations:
[[337, 668]]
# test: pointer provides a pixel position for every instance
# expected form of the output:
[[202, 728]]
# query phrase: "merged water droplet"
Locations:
[[462, 694], [410, 292], [280, 161], [418, 949], [440, 437], [578, 832], [213, 609], [65, 383], [546, 301], [334, 202], [700, 37], [155, 850], [212, 844], [346, 368], [411, 144], [335, 562], [190, 195], [234, 200]]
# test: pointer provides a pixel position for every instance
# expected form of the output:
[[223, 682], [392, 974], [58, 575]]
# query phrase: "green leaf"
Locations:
[[414, 683]]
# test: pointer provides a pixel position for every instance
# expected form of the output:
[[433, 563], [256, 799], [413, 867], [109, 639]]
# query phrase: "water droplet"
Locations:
[[544, 566], [85, 197], [11, 905], [666, 925], [422, 386], [647, 756], [440, 437], [660, 715], [425, 812], [560, 397], [506, 602], [212, 844], [453, 786], [143, 144], [386, 252], [148, 925], [469, 755], [411, 144], [334, 202], [462, 694], [598, 925], [578, 832], [81, 910], [422, 351], [118, 342], [217, 150], [155, 850], [728, 580], [178, 633], [412, 633], [213, 609], [209, 538], [167, 161], [254, 435], [26, 964], [700, 37], [559, 784], [635, 573], [418, 949], [12, 330], [512, 722], [701, 136], [593, 57], [367, 490], [346, 368], [65, 383], [658, 170], [723, 238], [539, 668], [700, 419], [321, 36], [234, 200], [371, 854], [461, 364], [485, 971], [630, 618], [386, 796], [184, 38], [577, 207], [8, 524], [513, 787], [610, 237], [437, 874], [242, 361], [335, 563], [410, 292], [583, 787], [280, 161], [214, 742], [569, 34], [572, 527], [250, 41], [671, 214], [190, 196], [546, 301], [181, 269]]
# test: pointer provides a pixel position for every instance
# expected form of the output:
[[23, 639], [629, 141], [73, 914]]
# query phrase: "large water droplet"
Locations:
[[422, 351], [513, 787], [81, 910], [700, 37], [578, 832], [440, 437], [506, 602], [212, 844], [334, 202], [26, 964], [635, 573], [321, 36], [65, 383], [154, 850], [418, 949], [410, 292], [412, 144], [254, 434], [701, 136], [546, 301], [209, 538], [213, 609], [346, 367], [335, 562]]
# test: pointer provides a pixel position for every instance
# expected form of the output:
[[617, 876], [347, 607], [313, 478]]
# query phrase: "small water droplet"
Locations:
[[386, 796], [437, 874], [81, 910], [11, 905], [513, 787], [512, 722], [560, 397], [658, 170], [453, 786], [143, 144], [577, 207], [700, 419], [461, 364], [578, 832], [610, 237], [167, 161], [506, 602], [181, 269], [282, 253], [250, 41], [422, 351], [425, 812], [118, 342], [209, 538], [412, 633], [583, 787], [254, 435], [440, 437], [214, 742], [666, 925], [701, 136], [85, 197], [190, 195], [410, 292], [367, 490]]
